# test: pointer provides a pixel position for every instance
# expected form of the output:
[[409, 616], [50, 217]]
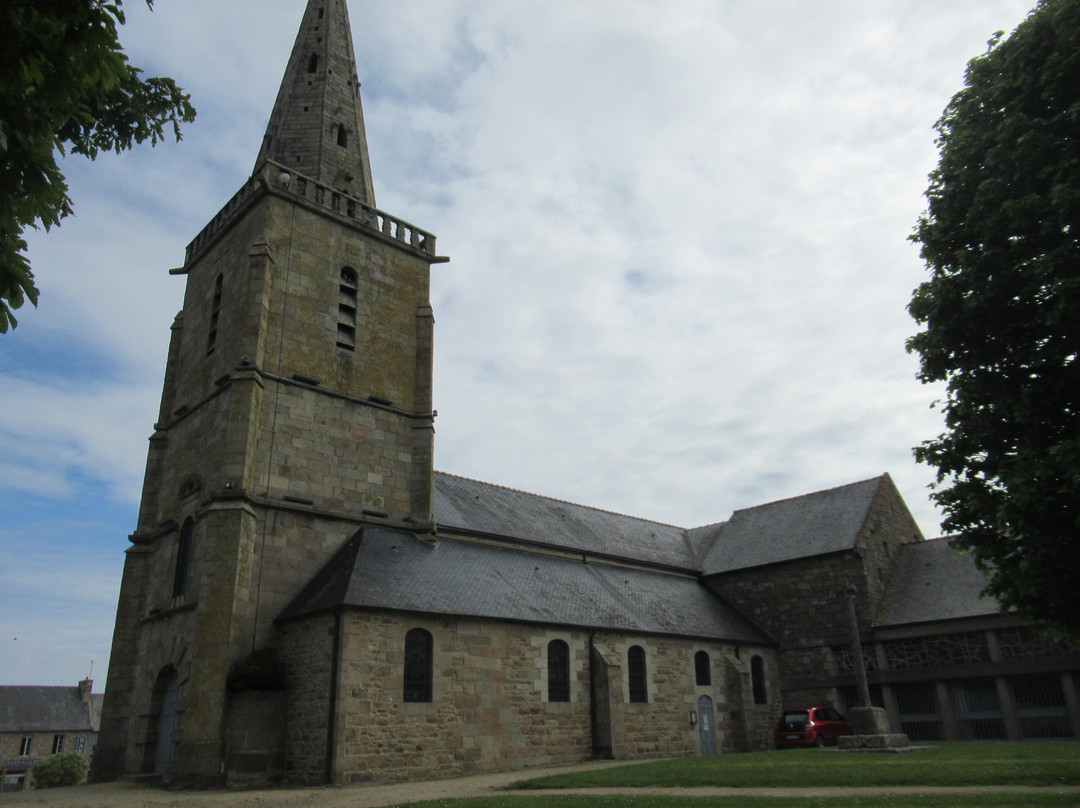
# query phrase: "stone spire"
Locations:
[[317, 126]]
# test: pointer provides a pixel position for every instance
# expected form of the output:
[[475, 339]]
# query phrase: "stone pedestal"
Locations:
[[871, 732]]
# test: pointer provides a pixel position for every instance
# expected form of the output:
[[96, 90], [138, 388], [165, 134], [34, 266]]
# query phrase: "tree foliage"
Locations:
[[65, 86], [67, 769], [1001, 315]]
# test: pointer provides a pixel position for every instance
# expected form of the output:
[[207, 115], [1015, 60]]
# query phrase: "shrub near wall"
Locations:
[[66, 769]]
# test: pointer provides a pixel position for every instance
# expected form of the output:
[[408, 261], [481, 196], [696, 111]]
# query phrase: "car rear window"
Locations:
[[797, 718]]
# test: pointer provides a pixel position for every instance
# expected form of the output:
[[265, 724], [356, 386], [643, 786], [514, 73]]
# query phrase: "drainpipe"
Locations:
[[592, 691], [331, 719]]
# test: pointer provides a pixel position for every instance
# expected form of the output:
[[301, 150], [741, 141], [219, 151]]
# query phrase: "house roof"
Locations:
[[931, 581], [387, 569], [47, 709], [801, 527], [468, 506]]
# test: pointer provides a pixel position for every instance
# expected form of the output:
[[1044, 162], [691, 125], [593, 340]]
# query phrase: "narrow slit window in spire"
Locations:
[[215, 311]]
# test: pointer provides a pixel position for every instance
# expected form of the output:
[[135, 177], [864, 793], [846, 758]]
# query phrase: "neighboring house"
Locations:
[[38, 722], [430, 625]]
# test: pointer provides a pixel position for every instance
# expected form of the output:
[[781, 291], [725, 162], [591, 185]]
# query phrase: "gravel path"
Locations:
[[130, 795]]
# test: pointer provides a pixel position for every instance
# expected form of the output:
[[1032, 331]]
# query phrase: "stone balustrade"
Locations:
[[276, 176]]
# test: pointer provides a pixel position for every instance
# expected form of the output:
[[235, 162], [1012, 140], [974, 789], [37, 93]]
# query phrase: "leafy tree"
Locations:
[[65, 85], [1001, 315], [66, 769]]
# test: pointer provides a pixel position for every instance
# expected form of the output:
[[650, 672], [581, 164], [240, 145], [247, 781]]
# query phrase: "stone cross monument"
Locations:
[[869, 725]]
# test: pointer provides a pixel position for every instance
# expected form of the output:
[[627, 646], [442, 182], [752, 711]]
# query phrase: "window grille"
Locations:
[[1025, 642], [920, 715], [1041, 708], [977, 709], [969, 648]]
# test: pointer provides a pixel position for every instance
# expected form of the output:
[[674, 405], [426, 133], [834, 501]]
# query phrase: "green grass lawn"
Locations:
[[946, 764], [956, 764], [809, 801]]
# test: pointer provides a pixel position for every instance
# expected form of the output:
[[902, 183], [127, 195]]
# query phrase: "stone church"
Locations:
[[403, 623]]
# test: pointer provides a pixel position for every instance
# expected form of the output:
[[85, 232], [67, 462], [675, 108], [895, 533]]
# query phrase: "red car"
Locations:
[[811, 726]]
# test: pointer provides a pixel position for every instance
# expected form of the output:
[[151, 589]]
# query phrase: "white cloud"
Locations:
[[678, 234]]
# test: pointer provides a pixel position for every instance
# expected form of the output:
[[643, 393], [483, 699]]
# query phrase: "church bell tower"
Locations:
[[296, 408]]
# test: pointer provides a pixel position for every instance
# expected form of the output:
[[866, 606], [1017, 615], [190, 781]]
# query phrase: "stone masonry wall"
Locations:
[[306, 649], [344, 455], [804, 604], [889, 525], [489, 710]]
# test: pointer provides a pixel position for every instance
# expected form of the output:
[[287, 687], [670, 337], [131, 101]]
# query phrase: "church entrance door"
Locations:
[[166, 723], [706, 725]]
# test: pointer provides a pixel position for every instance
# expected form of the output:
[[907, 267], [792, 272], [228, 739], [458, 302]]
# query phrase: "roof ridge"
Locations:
[[804, 496], [562, 501]]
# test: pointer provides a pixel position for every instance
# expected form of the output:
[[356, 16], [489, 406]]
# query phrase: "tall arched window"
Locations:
[[702, 671], [558, 657], [342, 135], [346, 326], [418, 665], [635, 668], [757, 680], [183, 559]]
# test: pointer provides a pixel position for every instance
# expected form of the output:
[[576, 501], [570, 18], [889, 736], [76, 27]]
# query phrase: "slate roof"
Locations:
[[931, 581], [801, 527], [46, 709], [388, 569], [469, 506]]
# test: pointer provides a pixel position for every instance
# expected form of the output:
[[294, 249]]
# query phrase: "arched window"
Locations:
[[635, 668], [183, 559], [757, 680], [342, 135], [558, 657], [418, 665], [346, 324], [702, 671], [215, 311]]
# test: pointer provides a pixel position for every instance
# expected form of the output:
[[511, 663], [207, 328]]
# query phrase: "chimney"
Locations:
[[85, 688]]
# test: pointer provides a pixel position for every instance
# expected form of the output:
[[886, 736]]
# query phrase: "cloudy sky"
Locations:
[[679, 261]]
